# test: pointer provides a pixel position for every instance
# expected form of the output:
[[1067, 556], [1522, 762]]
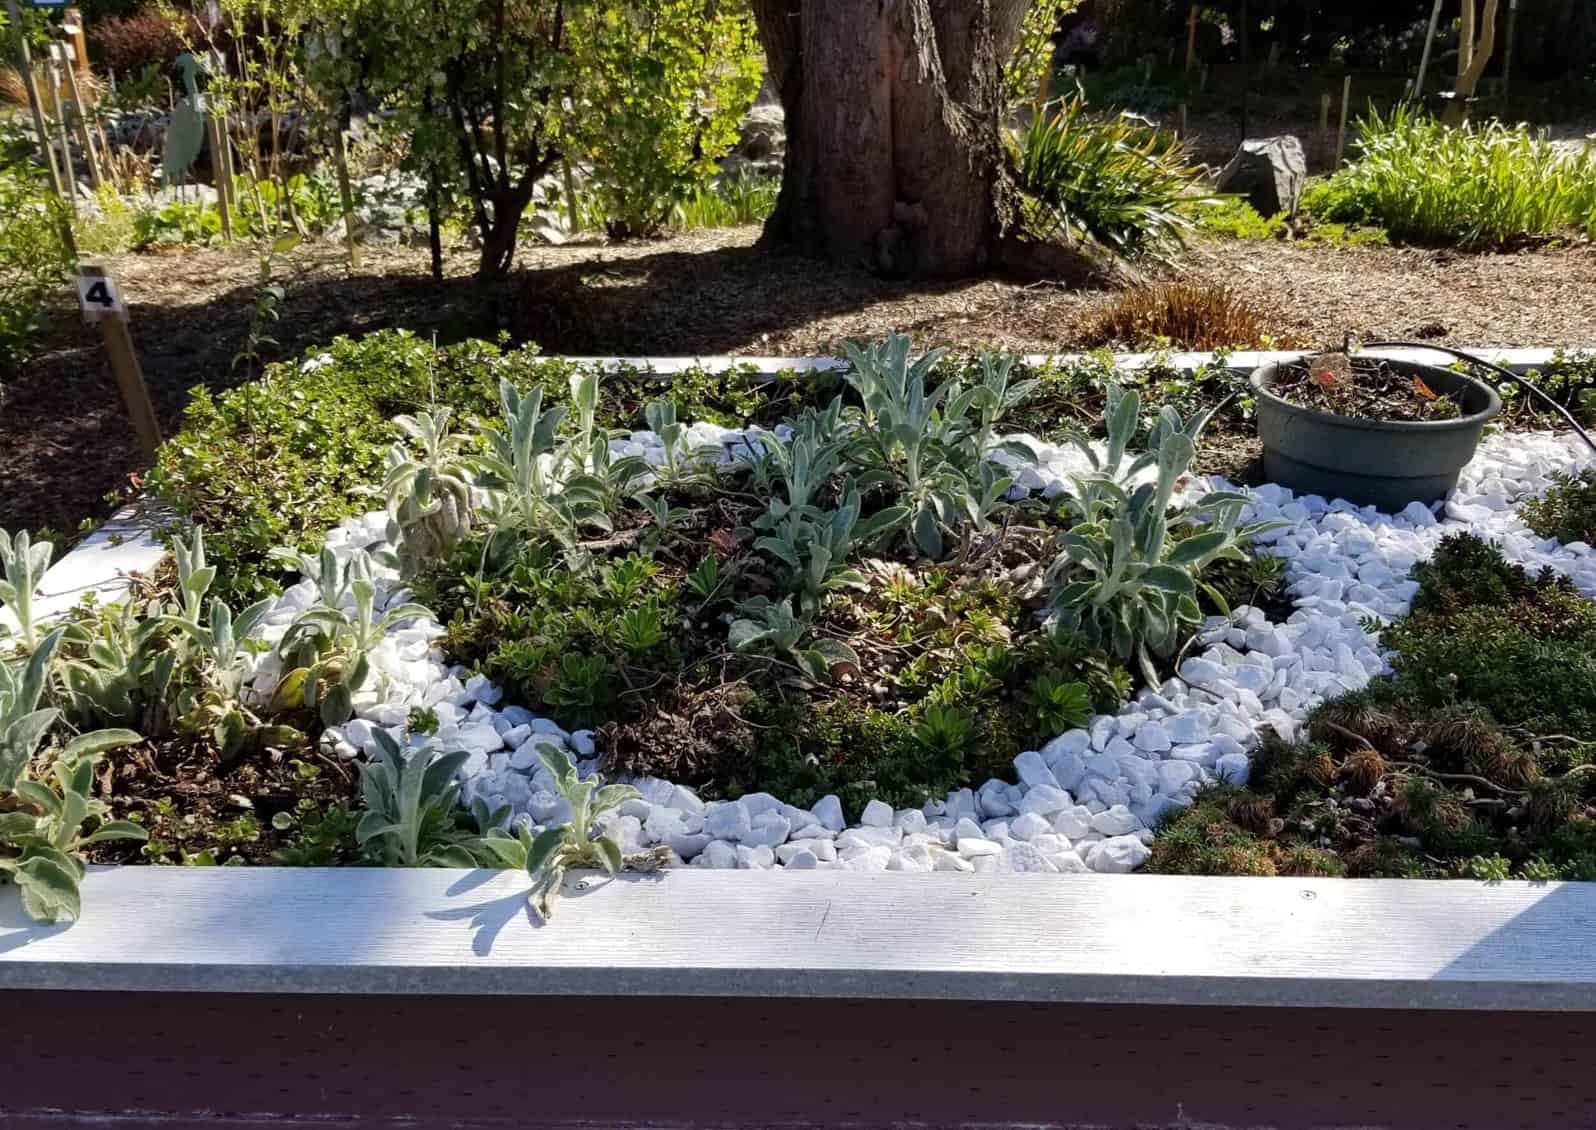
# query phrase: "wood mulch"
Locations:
[[64, 441]]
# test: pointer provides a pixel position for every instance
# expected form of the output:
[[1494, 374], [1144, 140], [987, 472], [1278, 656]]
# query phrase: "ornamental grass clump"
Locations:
[[1474, 186], [1114, 181]]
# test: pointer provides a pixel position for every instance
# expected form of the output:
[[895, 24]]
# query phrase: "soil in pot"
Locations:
[[1362, 388]]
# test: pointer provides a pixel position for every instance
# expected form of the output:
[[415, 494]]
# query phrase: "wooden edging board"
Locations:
[[1090, 939]]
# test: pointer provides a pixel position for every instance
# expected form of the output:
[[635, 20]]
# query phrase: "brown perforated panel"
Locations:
[[544, 1062]]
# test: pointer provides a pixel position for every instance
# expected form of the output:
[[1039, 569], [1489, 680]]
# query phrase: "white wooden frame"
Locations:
[[1134, 939]]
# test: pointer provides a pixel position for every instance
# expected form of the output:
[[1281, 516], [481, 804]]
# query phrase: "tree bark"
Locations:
[[1472, 57], [894, 129]]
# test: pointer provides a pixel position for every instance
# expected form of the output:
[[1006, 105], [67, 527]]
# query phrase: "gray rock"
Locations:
[[1269, 172]]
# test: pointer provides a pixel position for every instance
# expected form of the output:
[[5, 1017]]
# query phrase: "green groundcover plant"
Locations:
[[1478, 185]]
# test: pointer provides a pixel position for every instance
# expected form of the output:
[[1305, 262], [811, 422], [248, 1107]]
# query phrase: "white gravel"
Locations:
[[1088, 799]]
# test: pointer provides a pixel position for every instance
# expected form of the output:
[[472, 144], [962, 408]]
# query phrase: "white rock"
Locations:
[[877, 814], [828, 811], [1116, 821], [1118, 855]]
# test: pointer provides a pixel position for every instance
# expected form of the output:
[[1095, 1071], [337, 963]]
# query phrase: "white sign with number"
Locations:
[[98, 296]]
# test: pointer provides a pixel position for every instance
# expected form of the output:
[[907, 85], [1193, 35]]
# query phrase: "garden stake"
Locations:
[[125, 367], [1191, 40], [1507, 50], [1341, 133], [224, 189], [69, 175], [346, 197], [89, 155], [25, 70]]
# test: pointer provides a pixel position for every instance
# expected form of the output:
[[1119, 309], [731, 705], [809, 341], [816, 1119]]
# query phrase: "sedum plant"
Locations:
[[1119, 581], [46, 823], [409, 807], [547, 856]]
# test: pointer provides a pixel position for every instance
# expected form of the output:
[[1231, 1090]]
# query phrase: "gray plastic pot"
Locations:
[[1382, 463]]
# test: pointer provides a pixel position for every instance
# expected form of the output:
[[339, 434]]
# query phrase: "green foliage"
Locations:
[[547, 856], [428, 489], [665, 85], [23, 564], [1120, 581], [326, 650], [730, 202], [1032, 61], [1207, 839], [409, 807], [928, 442], [1484, 631], [279, 461], [1567, 512], [1113, 181], [46, 819], [1231, 217], [34, 262], [774, 627], [1478, 185]]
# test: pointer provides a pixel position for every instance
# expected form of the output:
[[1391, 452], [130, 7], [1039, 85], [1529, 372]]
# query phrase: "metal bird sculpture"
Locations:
[[185, 133]]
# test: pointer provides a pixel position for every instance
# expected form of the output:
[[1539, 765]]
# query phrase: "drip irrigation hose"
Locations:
[[1503, 373]]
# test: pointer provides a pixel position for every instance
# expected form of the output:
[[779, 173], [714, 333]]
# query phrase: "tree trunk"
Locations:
[[1473, 55], [894, 129]]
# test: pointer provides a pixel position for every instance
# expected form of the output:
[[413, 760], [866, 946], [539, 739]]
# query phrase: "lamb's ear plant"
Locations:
[[1118, 582], [23, 563], [45, 824], [679, 465], [547, 856], [327, 650], [770, 625], [816, 545], [409, 817], [929, 443], [428, 490]]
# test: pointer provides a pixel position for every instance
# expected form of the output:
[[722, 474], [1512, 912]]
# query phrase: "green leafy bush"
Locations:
[[1478, 185], [667, 83], [1113, 180], [278, 461], [34, 263], [1567, 512], [734, 202]]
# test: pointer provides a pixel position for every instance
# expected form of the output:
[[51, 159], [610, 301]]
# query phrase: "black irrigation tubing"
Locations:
[[1504, 374]]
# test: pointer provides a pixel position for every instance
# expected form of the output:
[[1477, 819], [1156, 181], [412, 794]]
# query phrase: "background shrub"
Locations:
[[1475, 185], [1567, 512], [1112, 180], [668, 83], [127, 44], [34, 263]]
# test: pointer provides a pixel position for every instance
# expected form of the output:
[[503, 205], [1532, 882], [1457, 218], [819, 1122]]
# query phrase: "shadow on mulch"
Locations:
[[65, 443]]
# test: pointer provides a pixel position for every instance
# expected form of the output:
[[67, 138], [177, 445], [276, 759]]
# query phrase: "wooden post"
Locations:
[[216, 137], [24, 62], [125, 366], [89, 156], [346, 198], [1424, 56], [1341, 132], [1324, 112], [1191, 39], [1181, 119], [69, 176], [1507, 50], [570, 196], [72, 22]]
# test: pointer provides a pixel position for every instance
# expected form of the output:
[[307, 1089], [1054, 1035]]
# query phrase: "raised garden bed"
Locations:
[[841, 773]]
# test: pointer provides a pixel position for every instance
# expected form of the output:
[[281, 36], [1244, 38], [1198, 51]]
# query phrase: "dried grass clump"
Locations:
[[1186, 315]]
